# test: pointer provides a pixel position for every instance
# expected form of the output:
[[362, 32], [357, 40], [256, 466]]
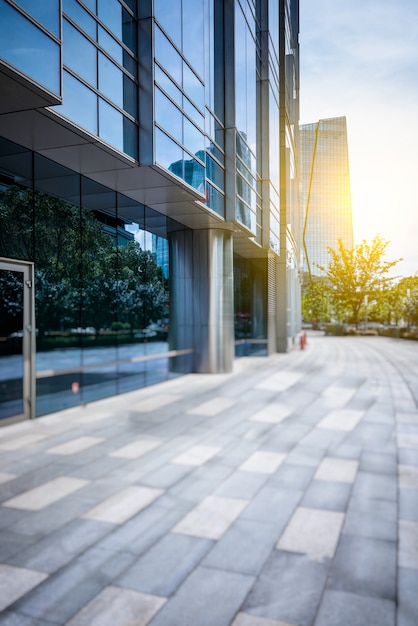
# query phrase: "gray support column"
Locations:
[[201, 300]]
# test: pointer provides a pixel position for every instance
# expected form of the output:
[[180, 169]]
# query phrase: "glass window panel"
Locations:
[[193, 87], [46, 13], [168, 14], [111, 46], [91, 4], [40, 60], [164, 81], [215, 200], [168, 153], [110, 80], [129, 31], [79, 104], [130, 64], [130, 138], [130, 97], [167, 56], [168, 115], [193, 34], [193, 139], [194, 174], [110, 125], [110, 12], [214, 172], [192, 112], [79, 54], [131, 4], [80, 16]]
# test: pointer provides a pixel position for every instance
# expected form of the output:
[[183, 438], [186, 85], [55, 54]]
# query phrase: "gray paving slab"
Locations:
[[307, 462]]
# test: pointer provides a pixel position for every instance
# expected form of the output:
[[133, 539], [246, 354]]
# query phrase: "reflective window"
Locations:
[[110, 80], [40, 60], [168, 153], [192, 112], [119, 22], [168, 115], [168, 56], [193, 139], [215, 200], [111, 125], [194, 174], [214, 172], [79, 104], [91, 4], [167, 12], [80, 16], [130, 96], [46, 13], [79, 54], [193, 87], [130, 138], [111, 46], [164, 81], [193, 34]]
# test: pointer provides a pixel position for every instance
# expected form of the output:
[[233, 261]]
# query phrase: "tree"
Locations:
[[357, 273]]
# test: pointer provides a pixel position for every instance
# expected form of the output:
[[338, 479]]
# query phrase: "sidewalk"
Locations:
[[284, 494]]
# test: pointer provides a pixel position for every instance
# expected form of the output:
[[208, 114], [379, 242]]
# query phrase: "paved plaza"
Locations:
[[283, 494]]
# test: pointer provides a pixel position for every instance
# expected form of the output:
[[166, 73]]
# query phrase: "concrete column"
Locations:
[[201, 300]]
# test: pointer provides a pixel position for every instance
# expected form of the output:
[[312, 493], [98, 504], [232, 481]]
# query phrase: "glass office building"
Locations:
[[325, 192], [149, 209]]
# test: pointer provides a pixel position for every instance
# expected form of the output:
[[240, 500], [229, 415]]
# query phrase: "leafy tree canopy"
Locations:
[[353, 274]]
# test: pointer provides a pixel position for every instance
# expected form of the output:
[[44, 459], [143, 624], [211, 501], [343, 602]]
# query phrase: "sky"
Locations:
[[359, 59]]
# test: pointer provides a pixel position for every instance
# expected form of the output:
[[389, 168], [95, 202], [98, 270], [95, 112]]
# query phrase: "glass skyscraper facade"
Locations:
[[325, 193], [148, 192]]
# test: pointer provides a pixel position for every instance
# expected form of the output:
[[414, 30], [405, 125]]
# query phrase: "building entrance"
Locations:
[[17, 341]]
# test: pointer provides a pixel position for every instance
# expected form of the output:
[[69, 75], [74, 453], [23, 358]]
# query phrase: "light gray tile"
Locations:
[[280, 381], [15, 582], [312, 532], [245, 619], [263, 462], [123, 505], [118, 607], [196, 455], [137, 448], [211, 518], [349, 609], [44, 495], [339, 470], [341, 419], [273, 413], [408, 544], [75, 445], [408, 477], [155, 402]]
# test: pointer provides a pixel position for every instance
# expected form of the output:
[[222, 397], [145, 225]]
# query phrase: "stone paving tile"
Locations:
[[337, 469], [408, 544], [364, 566], [244, 619], [270, 409], [211, 518], [163, 568], [312, 532], [288, 589], [407, 597], [349, 609], [15, 582], [118, 607], [244, 548], [123, 505], [207, 597], [326, 494], [46, 494]]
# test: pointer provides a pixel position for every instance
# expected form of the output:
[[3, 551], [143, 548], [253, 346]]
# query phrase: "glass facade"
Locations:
[[325, 191], [101, 290], [169, 171]]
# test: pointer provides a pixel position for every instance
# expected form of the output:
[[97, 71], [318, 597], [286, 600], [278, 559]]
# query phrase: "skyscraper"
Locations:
[[325, 191], [171, 118]]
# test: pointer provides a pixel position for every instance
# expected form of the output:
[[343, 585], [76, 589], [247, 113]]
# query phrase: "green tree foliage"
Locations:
[[81, 278], [353, 274], [315, 302]]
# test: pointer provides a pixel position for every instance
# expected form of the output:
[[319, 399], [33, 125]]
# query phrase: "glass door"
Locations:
[[17, 341]]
